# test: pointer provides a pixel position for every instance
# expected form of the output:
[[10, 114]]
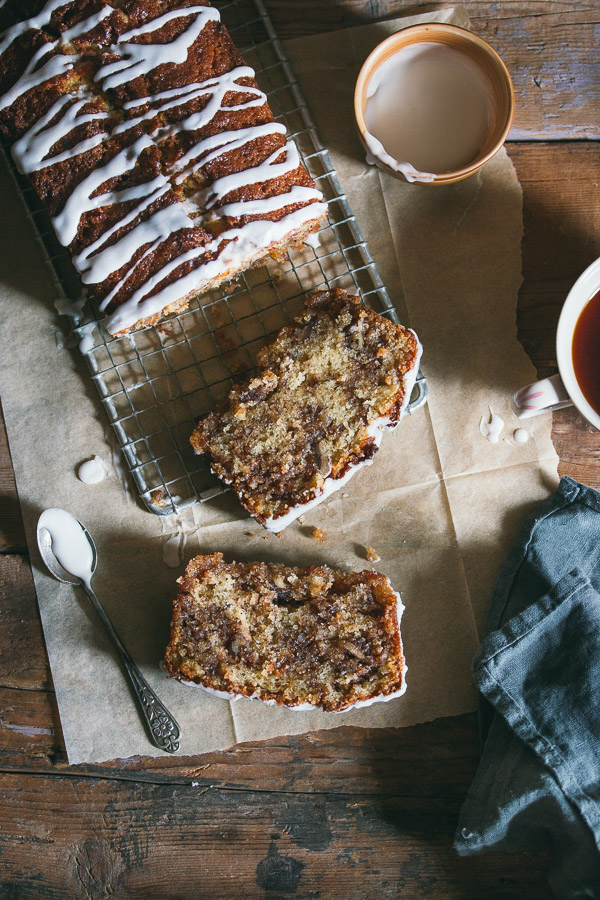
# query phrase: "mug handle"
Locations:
[[540, 397]]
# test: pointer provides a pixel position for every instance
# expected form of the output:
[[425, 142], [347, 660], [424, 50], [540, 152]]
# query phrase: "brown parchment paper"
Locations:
[[440, 504]]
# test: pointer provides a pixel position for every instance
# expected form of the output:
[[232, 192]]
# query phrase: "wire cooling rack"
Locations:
[[156, 383]]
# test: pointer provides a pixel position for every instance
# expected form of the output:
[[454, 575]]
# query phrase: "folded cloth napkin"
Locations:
[[538, 670]]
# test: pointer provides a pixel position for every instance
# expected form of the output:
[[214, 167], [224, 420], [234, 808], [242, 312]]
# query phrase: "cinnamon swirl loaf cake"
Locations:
[[326, 388], [300, 638], [151, 146]]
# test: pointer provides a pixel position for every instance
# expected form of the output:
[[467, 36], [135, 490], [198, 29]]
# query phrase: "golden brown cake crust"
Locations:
[[291, 636], [308, 413]]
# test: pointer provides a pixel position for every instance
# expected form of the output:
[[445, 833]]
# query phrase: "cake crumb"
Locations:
[[372, 555], [249, 533], [320, 535]]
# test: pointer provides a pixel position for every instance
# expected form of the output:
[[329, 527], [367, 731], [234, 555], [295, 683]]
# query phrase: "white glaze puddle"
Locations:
[[492, 427], [428, 107], [69, 543], [521, 435], [92, 471]]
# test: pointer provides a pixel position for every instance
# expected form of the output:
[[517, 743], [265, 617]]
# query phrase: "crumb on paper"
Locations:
[[249, 533], [319, 535], [372, 555], [301, 520]]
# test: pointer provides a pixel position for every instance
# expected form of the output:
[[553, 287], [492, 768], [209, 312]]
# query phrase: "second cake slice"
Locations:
[[315, 411]]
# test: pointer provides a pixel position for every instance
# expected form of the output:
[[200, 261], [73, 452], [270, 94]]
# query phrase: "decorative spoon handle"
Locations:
[[164, 730]]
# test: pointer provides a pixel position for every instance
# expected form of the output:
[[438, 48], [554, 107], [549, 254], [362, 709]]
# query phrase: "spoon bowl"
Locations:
[[44, 542]]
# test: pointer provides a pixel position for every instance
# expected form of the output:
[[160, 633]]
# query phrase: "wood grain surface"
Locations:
[[347, 813]]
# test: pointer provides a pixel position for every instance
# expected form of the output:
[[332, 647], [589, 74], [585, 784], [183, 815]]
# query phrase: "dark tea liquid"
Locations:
[[586, 352]]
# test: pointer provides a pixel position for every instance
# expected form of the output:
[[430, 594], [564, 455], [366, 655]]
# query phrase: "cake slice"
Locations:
[[326, 388], [300, 638]]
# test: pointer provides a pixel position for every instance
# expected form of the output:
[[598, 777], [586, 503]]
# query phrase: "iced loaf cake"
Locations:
[[150, 144]]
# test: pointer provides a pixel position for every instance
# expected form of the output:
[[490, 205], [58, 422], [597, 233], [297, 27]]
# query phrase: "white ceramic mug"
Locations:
[[563, 389]]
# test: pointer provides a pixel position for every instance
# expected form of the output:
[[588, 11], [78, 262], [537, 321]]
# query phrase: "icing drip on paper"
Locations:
[[71, 308], [92, 471], [521, 435], [492, 428]]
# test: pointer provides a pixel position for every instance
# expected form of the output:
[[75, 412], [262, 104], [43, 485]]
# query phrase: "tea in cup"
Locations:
[[577, 354]]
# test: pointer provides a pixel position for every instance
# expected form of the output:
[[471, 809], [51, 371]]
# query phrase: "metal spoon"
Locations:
[[164, 730]]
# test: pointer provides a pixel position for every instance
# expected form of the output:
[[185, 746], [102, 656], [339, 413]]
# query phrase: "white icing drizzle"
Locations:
[[216, 145], [298, 194], [32, 77], [241, 245], [30, 150], [95, 265], [81, 200], [140, 59], [216, 88], [267, 170], [232, 248], [86, 25], [38, 21]]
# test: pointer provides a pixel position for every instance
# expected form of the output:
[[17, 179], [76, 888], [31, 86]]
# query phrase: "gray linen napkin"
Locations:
[[538, 670]]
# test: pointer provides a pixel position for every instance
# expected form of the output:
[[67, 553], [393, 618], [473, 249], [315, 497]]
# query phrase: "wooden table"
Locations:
[[338, 814]]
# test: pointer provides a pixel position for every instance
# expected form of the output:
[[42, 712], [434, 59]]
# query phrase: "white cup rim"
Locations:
[[586, 286]]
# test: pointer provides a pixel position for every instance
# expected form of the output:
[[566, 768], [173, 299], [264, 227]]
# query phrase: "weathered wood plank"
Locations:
[[556, 92], [93, 839], [23, 661], [12, 534], [441, 757], [561, 212]]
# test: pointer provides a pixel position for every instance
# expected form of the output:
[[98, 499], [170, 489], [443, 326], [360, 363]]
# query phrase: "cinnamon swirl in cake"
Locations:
[[301, 638], [152, 147], [314, 412]]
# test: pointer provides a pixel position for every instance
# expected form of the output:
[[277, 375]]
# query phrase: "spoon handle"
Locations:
[[165, 732]]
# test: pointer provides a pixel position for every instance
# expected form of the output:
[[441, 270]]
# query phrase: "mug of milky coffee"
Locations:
[[577, 354], [433, 103]]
